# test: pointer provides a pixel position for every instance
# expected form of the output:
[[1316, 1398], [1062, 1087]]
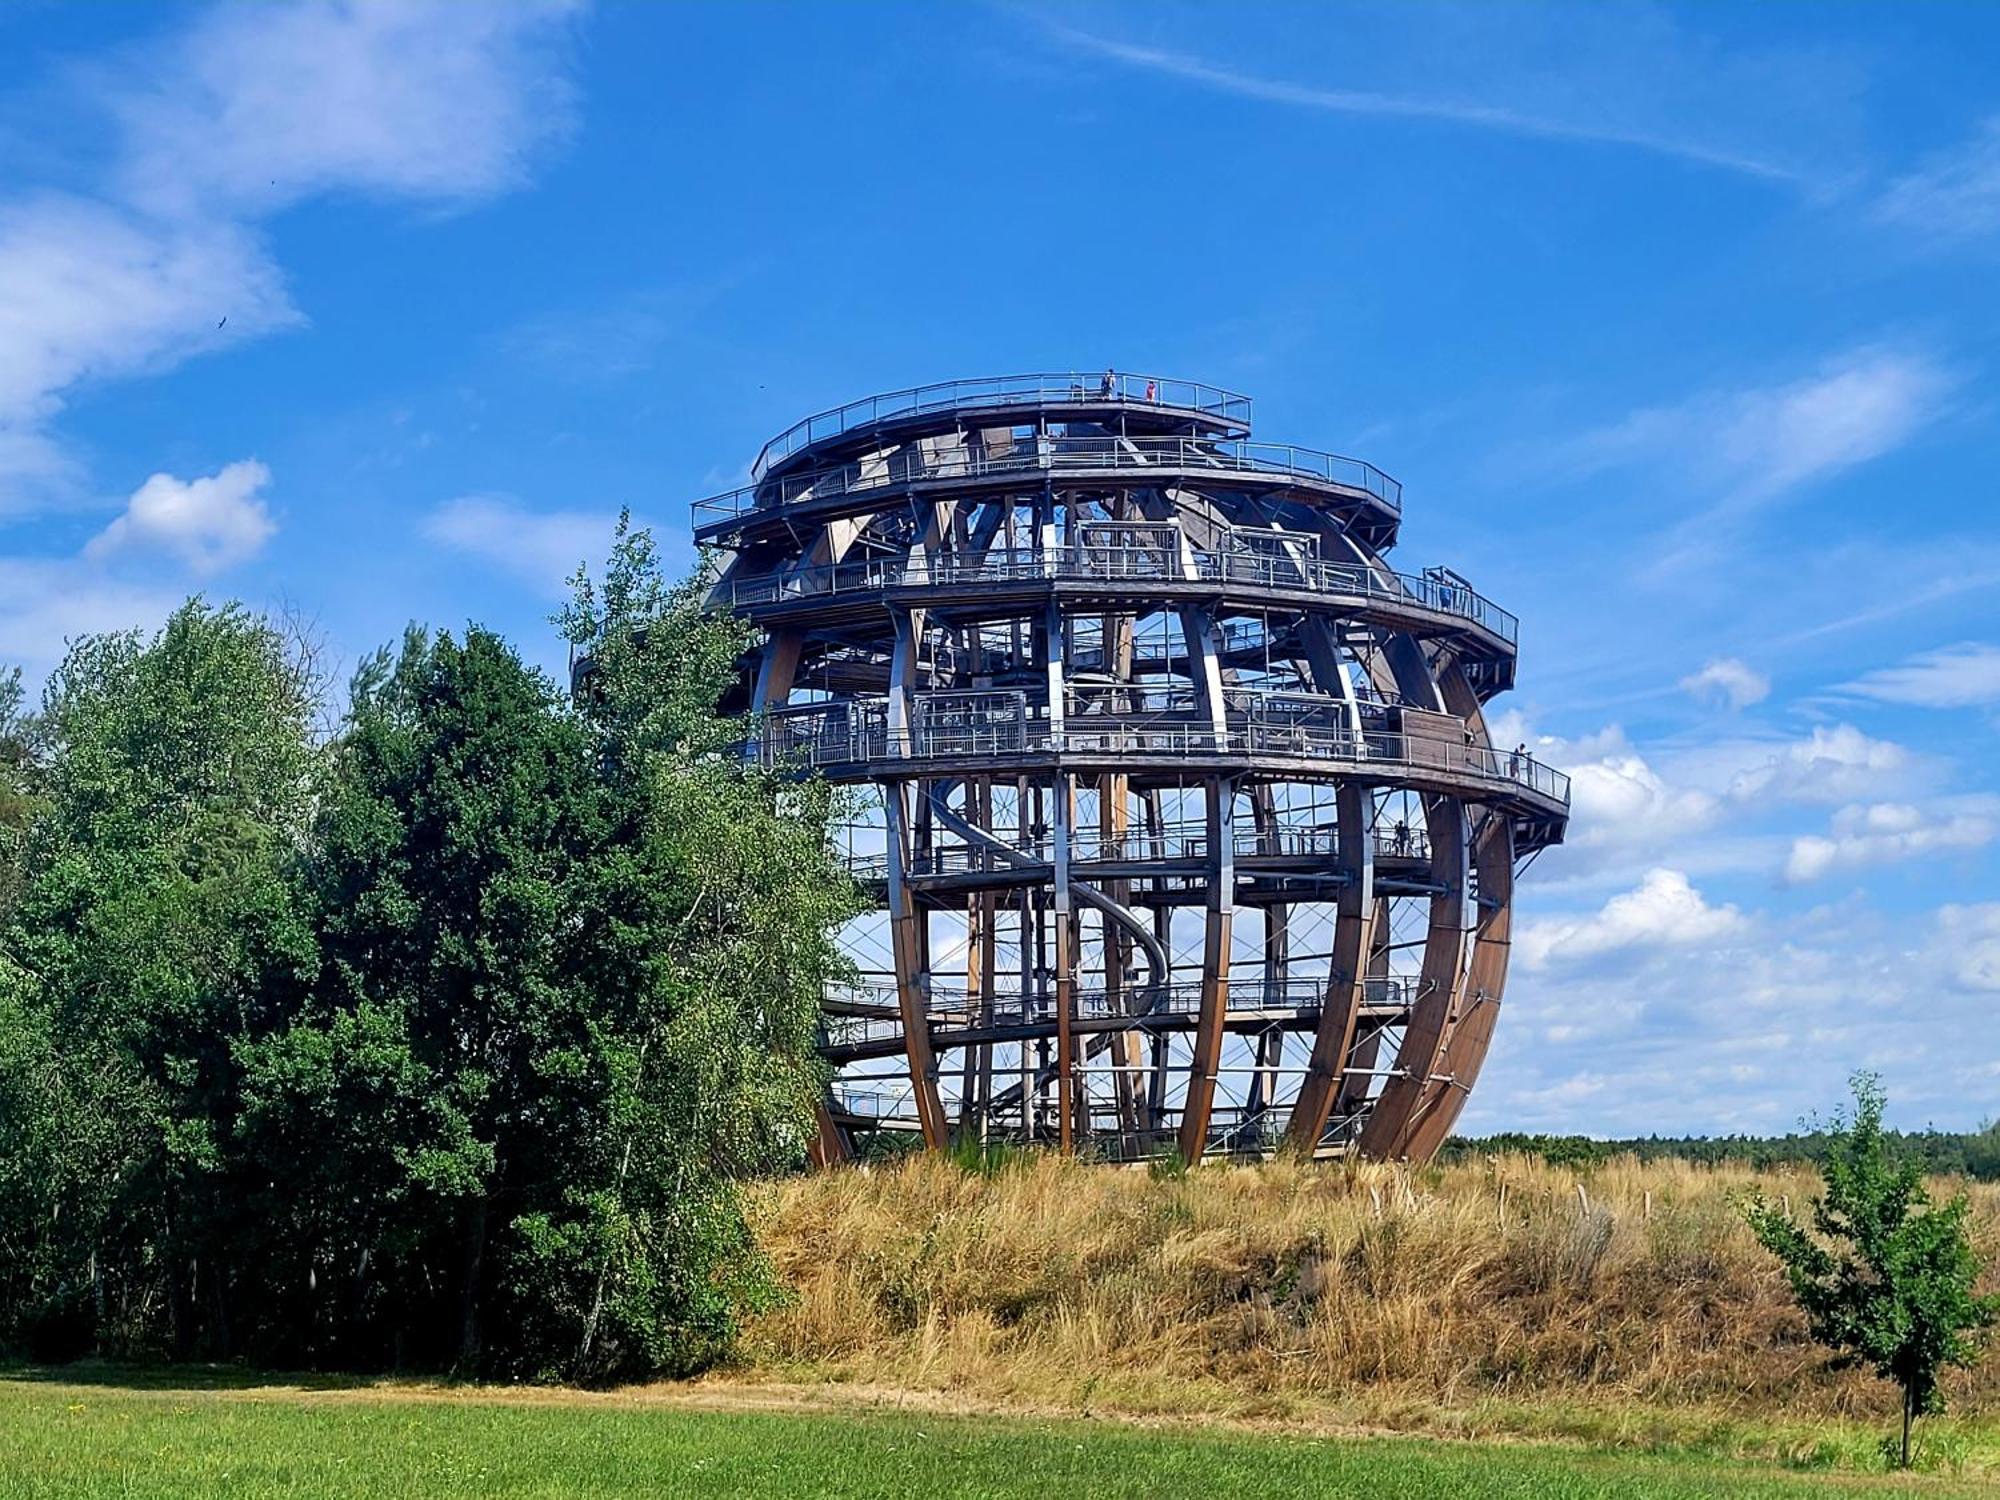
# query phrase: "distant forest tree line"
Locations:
[[438, 1037], [1974, 1154]]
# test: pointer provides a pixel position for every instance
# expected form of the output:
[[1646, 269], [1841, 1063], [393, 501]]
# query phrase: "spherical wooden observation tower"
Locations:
[[1181, 816]]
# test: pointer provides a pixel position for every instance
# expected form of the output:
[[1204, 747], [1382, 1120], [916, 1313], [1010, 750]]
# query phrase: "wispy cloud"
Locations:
[[1758, 443], [1472, 114], [1741, 451], [47, 601], [1966, 675], [1972, 936], [1964, 562], [1955, 194], [258, 106]]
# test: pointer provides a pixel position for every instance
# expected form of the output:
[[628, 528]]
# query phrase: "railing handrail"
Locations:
[[1088, 562], [1034, 389], [855, 730], [948, 1008], [1184, 841], [1227, 455]]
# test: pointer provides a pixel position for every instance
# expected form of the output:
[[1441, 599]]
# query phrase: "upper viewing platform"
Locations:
[[958, 439], [1165, 406]]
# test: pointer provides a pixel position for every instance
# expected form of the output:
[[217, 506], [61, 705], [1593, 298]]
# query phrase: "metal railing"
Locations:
[[1091, 454], [951, 1010], [1042, 389], [1077, 563], [999, 724], [1183, 842]]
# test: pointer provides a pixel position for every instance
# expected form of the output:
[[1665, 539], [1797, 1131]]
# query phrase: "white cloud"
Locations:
[[1663, 911], [87, 291], [1730, 681], [540, 548], [1962, 676], [1882, 833], [1969, 936], [1955, 194], [262, 104], [210, 523], [1857, 409], [1618, 800], [1833, 764], [1629, 814]]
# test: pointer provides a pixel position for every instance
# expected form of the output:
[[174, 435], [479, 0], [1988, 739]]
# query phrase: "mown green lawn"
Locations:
[[81, 1440]]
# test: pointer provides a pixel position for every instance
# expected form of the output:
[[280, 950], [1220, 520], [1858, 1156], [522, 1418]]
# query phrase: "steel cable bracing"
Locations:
[[1191, 836]]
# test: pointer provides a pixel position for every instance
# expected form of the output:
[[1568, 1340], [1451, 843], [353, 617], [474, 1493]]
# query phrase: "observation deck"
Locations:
[[1243, 571], [1359, 495], [1274, 736], [1188, 406]]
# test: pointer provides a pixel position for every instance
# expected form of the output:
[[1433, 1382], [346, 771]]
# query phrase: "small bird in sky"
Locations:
[[225, 319]]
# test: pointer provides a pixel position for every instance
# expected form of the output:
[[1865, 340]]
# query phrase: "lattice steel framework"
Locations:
[[1185, 829]]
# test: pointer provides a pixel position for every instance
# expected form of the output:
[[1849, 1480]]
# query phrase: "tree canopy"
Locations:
[[444, 1042]]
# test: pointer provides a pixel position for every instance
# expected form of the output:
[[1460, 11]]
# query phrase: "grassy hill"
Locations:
[[1620, 1301]]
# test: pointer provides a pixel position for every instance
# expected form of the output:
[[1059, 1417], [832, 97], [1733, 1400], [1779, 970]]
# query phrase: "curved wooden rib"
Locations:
[[1477, 1008], [1479, 998], [1386, 1135]]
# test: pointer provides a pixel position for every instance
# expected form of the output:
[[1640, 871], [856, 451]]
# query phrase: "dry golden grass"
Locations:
[[1626, 1299]]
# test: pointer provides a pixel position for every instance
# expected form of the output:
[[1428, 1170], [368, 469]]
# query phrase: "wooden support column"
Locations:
[[981, 951], [1156, 1077], [908, 946], [1062, 918], [830, 1143], [1204, 648], [1127, 1047], [1062, 808], [1270, 1044], [1220, 908], [1346, 986], [1357, 1077]]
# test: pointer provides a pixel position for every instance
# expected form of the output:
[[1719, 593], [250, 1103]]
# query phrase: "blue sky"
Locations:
[[1681, 327]]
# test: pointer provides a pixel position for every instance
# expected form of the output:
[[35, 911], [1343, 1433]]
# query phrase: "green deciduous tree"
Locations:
[[156, 927], [1885, 1280], [17, 798], [713, 915]]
